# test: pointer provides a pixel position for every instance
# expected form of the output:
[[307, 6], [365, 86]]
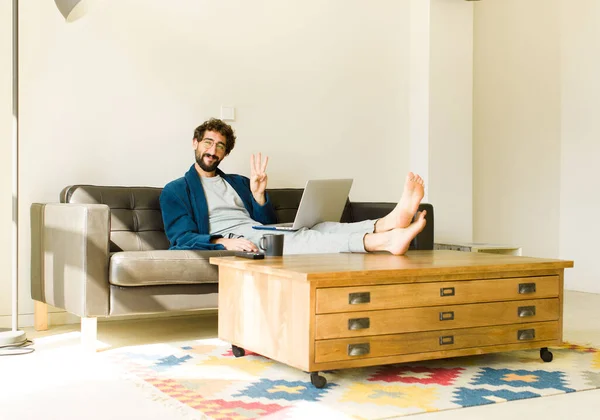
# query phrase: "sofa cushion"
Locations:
[[152, 268]]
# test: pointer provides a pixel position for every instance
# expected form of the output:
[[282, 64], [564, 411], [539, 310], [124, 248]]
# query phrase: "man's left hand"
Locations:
[[258, 177]]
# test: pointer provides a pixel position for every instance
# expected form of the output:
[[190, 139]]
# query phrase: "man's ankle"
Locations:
[[380, 226]]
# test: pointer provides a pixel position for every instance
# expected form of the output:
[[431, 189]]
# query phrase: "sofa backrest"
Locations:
[[135, 218], [136, 221]]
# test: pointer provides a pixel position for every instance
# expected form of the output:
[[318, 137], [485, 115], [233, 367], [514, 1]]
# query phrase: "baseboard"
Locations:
[[58, 317]]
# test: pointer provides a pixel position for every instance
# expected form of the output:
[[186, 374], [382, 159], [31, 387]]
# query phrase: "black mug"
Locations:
[[272, 244]]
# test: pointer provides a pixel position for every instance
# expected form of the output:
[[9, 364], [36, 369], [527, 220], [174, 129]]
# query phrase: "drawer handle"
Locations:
[[526, 288], [523, 335], [358, 298], [525, 311], [447, 316], [359, 349], [359, 323], [446, 291], [447, 339]]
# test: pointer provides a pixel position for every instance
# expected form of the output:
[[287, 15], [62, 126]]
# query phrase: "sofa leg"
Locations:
[[40, 316], [89, 333]]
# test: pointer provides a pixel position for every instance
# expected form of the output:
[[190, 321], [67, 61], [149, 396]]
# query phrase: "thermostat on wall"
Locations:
[[227, 113]]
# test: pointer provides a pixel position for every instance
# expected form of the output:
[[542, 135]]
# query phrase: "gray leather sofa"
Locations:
[[102, 251]]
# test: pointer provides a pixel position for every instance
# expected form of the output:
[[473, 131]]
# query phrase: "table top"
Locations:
[[413, 263]]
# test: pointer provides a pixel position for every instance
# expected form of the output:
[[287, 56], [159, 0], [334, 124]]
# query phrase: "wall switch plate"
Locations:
[[227, 113]]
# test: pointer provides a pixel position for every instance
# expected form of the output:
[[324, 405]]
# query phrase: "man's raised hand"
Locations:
[[258, 177]]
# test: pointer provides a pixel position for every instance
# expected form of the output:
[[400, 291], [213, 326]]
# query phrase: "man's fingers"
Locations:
[[258, 162], [245, 245], [252, 247], [257, 166]]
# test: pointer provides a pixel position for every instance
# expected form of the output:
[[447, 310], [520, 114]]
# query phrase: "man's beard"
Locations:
[[203, 165]]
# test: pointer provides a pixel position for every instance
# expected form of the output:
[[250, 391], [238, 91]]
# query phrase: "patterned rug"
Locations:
[[205, 378]]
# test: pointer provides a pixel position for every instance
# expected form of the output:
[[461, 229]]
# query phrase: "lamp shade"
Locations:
[[71, 9]]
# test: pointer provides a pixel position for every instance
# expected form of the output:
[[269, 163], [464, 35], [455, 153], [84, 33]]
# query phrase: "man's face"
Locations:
[[210, 150]]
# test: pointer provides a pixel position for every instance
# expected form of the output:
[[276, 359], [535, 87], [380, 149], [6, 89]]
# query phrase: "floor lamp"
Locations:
[[14, 337], [71, 10]]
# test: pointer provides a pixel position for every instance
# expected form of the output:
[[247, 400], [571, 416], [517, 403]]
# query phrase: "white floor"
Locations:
[[60, 381]]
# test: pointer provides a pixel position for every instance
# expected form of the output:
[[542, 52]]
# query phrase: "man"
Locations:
[[208, 209]]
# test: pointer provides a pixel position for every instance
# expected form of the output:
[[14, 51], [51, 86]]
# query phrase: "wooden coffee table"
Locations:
[[333, 311]]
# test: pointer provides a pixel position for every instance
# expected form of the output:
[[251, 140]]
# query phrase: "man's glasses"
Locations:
[[209, 142]]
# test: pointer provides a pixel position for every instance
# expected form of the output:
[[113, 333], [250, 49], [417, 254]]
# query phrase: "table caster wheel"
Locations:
[[237, 351], [546, 355], [317, 380]]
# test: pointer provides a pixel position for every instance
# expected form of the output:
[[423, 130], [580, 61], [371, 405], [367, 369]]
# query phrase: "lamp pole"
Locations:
[[15, 165], [15, 337]]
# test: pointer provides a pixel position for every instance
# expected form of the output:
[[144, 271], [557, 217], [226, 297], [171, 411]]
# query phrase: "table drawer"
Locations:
[[421, 342], [347, 299], [396, 321]]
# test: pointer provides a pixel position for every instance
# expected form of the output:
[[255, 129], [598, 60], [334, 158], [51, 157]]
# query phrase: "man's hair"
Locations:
[[219, 126]]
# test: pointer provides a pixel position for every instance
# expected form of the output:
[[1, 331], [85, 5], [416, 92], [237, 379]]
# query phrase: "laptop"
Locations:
[[323, 200]]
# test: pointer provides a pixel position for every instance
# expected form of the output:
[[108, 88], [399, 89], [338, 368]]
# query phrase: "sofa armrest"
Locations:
[[369, 210], [69, 257]]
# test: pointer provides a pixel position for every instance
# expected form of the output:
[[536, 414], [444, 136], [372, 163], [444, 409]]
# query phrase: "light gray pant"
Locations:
[[328, 237], [323, 238]]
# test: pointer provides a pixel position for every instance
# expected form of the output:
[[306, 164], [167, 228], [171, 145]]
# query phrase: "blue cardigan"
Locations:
[[185, 211]]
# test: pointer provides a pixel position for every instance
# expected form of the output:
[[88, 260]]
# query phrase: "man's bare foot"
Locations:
[[402, 215], [396, 241], [402, 237]]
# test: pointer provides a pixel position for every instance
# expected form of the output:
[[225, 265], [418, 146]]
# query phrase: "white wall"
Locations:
[[5, 156], [309, 80], [113, 98], [450, 119], [440, 114], [516, 130], [419, 88], [580, 142], [536, 130]]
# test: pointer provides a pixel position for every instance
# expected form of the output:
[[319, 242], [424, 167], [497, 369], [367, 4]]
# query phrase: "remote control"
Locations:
[[250, 255]]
